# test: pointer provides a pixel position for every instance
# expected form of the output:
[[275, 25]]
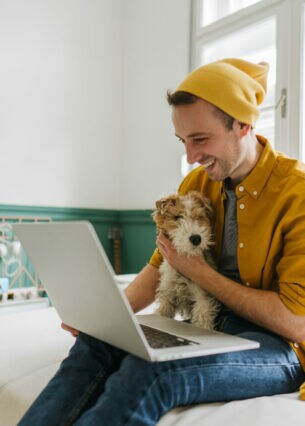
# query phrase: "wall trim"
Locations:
[[137, 226], [58, 213]]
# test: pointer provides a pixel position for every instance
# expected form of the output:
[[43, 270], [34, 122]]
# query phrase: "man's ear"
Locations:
[[244, 128]]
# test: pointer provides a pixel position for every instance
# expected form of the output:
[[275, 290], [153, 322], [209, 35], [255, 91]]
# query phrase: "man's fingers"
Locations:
[[73, 331]]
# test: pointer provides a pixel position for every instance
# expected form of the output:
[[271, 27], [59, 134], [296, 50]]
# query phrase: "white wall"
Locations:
[[156, 59], [60, 102], [83, 120]]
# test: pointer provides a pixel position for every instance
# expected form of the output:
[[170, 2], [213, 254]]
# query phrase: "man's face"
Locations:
[[208, 142]]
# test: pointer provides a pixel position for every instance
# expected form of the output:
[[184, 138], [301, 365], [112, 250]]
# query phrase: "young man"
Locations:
[[259, 200]]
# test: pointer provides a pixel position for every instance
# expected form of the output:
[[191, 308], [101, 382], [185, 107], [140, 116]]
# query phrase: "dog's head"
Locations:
[[186, 220]]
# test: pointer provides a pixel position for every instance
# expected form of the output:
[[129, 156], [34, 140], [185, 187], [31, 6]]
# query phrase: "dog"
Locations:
[[186, 221]]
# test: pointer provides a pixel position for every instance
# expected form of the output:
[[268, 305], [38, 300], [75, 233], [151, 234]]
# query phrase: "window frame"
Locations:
[[289, 63]]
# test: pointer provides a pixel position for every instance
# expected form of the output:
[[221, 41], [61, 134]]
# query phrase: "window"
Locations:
[[212, 10], [260, 30]]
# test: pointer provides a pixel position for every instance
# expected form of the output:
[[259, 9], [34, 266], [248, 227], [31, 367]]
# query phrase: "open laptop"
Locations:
[[81, 284]]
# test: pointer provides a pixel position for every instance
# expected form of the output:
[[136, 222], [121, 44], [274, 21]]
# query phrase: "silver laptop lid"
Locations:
[[79, 280]]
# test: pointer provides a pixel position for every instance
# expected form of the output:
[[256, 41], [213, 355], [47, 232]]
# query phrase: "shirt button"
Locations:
[[241, 245], [254, 192], [241, 206], [296, 345], [241, 188], [248, 284]]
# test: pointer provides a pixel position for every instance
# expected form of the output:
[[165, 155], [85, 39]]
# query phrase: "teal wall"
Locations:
[[136, 226], [138, 238]]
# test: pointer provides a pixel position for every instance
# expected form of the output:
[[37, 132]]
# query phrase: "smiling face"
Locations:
[[207, 140]]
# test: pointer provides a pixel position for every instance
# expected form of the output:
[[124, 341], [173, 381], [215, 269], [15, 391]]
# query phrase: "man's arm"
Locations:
[[262, 307], [141, 292]]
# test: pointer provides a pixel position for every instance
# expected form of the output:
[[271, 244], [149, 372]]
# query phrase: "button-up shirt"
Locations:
[[271, 226]]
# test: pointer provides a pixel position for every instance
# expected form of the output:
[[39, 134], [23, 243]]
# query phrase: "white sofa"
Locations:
[[33, 344]]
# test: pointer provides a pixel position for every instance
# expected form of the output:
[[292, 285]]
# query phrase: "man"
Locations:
[[259, 202]]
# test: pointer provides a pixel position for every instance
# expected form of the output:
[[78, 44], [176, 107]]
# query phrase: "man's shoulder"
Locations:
[[289, 181], [290, 169]]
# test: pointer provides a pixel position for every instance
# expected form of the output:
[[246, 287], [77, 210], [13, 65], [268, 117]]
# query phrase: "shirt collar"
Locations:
[[258, 177]]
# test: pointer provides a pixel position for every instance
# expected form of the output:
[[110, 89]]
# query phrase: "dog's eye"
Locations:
[[178, 217]]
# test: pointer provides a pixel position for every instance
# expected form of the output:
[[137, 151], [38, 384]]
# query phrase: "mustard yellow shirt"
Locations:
[[271, 226]]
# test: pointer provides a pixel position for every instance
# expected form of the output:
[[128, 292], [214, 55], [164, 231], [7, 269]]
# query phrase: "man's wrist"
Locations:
[[204, 276]]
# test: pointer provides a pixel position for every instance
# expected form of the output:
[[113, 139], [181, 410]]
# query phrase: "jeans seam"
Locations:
[[177, 370], [146, 392], [159, 378], [75, 412]]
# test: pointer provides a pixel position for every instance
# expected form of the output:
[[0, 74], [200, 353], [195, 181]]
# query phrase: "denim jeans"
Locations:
[[98, 384]]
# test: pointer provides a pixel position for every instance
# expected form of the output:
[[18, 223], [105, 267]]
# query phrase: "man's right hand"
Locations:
[[66, 327]]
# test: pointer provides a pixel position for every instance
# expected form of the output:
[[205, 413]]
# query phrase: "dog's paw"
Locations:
[[204, 320], [166, 310]]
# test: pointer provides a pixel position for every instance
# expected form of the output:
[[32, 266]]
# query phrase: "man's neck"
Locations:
[[254, 152]]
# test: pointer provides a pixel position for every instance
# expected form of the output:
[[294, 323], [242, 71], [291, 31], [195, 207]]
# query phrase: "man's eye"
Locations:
[[181, 140]]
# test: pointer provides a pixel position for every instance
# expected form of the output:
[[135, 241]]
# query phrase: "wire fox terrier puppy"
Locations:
[[186, 221]]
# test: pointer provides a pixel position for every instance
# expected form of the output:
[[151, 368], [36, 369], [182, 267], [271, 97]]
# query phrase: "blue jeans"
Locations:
[[98, 384]]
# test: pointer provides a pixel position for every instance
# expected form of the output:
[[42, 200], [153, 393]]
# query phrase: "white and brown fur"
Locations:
[[186, 220]]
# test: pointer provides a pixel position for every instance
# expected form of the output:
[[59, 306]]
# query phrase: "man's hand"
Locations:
[[66, 327], [192, 267]]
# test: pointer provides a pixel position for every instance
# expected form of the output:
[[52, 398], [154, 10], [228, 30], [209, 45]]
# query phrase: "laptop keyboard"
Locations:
[[160, 339]]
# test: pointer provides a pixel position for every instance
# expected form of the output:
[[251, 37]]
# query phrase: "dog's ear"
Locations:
[[163, 203], [204, 202], [208, 208]]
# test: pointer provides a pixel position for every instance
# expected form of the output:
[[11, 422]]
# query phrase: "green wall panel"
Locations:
[[136, 226], [138, 239]]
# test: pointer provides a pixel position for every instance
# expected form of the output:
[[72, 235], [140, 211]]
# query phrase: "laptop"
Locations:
[[79, 279]]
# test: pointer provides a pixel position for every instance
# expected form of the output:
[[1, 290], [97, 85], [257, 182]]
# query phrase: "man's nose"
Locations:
[[193, 154]]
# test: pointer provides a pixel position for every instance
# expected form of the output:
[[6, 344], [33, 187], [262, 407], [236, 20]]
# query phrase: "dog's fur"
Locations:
[[186, 220]]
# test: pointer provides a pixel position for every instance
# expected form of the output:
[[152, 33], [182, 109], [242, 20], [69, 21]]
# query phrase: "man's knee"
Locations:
[[134, 367]]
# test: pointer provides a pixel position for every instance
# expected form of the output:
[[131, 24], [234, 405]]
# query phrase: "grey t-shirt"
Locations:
[[228, 264]]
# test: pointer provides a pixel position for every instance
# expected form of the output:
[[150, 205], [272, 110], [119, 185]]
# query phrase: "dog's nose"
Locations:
[[195, 239]]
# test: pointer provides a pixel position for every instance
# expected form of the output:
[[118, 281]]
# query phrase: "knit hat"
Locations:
[[235, 86]]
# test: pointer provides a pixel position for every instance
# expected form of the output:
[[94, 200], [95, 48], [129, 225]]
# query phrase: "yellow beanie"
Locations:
[[233, 85]]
